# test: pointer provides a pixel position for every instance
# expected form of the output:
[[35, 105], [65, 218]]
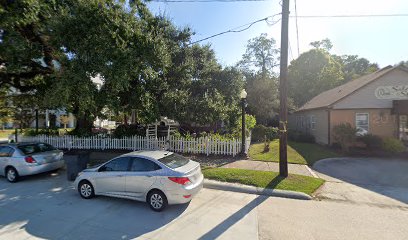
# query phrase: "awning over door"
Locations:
[[400, 107]]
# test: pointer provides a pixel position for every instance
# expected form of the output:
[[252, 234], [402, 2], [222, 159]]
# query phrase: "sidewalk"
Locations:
[[271, 166]]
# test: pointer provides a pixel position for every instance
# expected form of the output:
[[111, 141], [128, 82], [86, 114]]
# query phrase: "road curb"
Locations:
[[235, 187]]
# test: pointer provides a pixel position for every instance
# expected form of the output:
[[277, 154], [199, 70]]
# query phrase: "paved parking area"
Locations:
[[364, 180], [46, 207]]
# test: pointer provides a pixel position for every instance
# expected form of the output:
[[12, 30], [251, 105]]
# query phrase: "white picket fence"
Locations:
[[203, 145]]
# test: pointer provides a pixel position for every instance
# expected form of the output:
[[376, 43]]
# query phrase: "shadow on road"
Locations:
[[47, 206], [237, 216]]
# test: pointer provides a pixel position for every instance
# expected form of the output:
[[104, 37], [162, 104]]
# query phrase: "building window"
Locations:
[[362, 123], [313, 122], [302, 122]]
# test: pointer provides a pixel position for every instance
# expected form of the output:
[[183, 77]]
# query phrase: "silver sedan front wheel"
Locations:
[[157, 201], [86, 190]]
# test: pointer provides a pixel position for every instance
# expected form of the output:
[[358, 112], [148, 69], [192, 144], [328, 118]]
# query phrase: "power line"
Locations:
[[297, 29], [234, 30], [353, 16], [290, 50]]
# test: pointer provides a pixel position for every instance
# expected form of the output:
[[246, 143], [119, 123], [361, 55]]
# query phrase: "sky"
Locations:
[[383, 40]]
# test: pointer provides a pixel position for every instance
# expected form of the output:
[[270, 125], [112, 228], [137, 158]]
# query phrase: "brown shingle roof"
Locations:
[[328, 98]]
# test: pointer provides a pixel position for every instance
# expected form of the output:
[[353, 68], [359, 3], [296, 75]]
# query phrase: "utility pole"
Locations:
[[283, 85]]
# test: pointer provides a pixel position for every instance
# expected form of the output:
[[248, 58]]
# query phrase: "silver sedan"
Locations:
[[156, 177], [23, 159]]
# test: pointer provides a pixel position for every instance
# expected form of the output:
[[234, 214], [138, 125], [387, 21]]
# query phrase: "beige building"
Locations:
[[376, 103]]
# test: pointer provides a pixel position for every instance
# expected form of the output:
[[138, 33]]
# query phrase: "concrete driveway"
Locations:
[[364, 180]]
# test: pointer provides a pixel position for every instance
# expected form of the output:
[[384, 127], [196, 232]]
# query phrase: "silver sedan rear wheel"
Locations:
[[157, 201], [11, 175], [86, 190]]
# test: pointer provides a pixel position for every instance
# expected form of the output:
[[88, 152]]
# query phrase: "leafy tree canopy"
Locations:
[[53, 49], [318, 70], [261, 55], [313, 72]]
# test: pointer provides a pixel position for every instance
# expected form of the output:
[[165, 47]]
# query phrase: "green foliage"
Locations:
[[393, 145], [345, 135], [324, 44], [261, 132], [313, 72], [129, 131], [317, 70], [354, 67], [371, 141], [214, 136], [299, 136], [250, 122], [42, 131], [261, 54], [263, 97], [257, 64]]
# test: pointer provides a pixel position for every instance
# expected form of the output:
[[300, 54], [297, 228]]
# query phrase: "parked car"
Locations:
[[156, 177], [22, 159]]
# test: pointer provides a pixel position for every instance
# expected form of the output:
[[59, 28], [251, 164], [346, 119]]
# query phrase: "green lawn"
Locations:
[[265, 179], [300, 153]]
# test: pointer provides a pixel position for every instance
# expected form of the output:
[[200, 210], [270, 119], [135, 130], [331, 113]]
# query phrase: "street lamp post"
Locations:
[[243, 103]]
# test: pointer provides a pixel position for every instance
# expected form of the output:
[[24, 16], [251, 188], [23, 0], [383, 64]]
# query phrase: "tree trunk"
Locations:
[[125, 119], [84, 125], [84, 122]]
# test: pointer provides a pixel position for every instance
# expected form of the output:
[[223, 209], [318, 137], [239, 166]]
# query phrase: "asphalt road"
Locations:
[[47, 207]]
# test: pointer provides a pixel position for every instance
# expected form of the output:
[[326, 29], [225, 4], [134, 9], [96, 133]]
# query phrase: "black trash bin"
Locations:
[[76, 163]]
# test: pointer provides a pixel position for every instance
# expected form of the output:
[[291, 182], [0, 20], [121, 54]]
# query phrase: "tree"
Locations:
[[263, 98], [6, 112], [144, 62], [402, 63], [26, 52], [199, 90], [257, 64], [72, 41], [261, 54], [354, 67], [313, 72], [324, 44], [317, 70]]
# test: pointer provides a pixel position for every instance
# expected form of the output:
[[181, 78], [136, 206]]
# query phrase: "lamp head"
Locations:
[[243, 94]]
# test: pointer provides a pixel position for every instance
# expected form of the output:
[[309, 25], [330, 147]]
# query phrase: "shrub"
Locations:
[[345, 135], [48, 131], [371, 141], [260, 132], [250, 123], [393, 145], [129, 130], [298, 136]]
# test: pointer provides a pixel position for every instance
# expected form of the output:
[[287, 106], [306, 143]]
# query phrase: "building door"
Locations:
[[403, 128]]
